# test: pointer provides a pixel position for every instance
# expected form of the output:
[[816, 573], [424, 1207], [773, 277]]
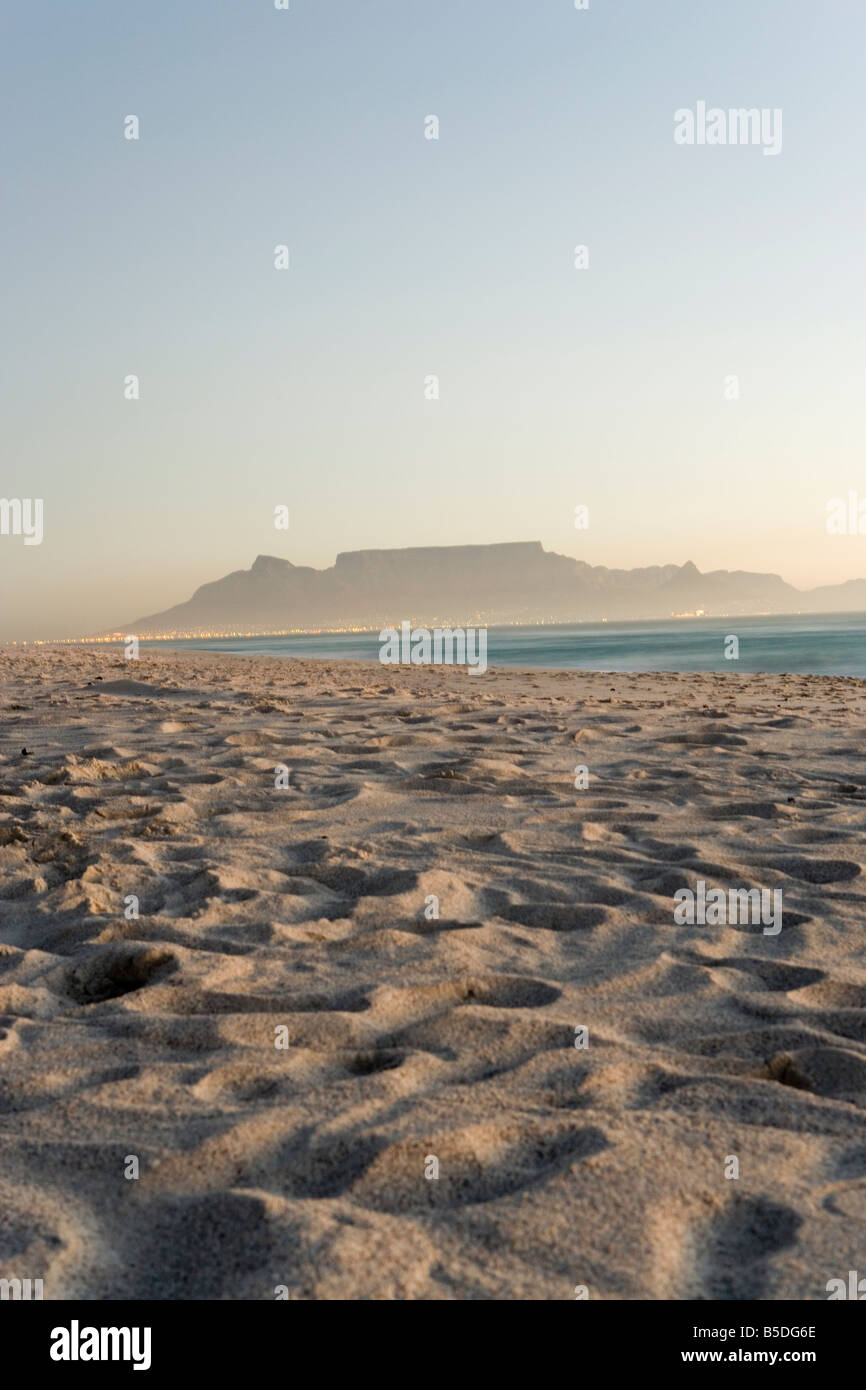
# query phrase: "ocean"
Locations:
[[820, 644]]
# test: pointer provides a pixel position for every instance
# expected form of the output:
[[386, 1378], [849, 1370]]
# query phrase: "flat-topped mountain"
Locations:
[[468, 584]]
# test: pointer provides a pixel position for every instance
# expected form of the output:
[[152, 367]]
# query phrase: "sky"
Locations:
[[607, 386]]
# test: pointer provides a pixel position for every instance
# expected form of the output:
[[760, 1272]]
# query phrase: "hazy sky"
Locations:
[[409, 257]]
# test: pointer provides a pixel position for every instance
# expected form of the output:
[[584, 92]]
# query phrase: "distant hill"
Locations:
[[470, 584]]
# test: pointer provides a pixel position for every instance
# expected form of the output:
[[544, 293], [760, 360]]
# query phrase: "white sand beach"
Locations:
[[305, 916]]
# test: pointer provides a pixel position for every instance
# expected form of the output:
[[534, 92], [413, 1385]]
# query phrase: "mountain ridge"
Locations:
[[508, 582]]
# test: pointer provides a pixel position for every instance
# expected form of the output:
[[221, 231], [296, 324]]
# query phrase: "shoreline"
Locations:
[[503, 669]]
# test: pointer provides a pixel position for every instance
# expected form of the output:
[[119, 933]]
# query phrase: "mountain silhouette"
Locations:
[[471, 584]]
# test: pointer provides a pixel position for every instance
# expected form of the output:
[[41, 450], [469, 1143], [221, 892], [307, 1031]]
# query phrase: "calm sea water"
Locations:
[[828, 644]]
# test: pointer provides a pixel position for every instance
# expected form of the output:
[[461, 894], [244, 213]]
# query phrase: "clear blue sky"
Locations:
[[409, 257]]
